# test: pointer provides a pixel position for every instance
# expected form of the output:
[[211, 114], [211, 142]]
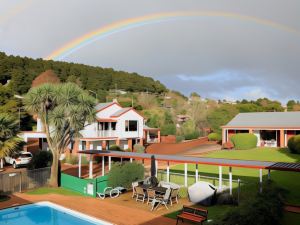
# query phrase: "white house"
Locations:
[[114, 125]]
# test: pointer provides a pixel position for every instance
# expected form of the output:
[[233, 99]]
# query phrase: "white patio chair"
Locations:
[[162, 201]]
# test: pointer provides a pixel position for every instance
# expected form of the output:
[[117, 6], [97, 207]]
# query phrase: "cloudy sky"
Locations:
[[228, 49]]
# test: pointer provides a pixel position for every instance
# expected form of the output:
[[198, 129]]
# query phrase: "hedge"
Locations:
[[294, 144], [244, 141], [123, 174], [214, 137]]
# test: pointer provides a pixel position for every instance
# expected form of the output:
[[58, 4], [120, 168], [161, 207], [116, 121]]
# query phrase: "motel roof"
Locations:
[[265, 120], [200, 160]]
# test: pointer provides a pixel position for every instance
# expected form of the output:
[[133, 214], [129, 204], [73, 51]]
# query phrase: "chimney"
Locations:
[[115, 100]]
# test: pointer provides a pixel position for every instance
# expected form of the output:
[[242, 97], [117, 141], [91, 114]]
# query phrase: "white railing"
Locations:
[[107, 133]]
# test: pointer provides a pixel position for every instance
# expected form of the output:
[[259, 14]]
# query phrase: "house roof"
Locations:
[[266, 120], [120, 112], [104, 105]]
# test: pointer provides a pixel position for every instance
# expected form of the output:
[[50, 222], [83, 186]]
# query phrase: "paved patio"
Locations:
[[123, 210]]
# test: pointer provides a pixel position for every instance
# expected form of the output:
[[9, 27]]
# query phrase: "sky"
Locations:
[[225, 49]]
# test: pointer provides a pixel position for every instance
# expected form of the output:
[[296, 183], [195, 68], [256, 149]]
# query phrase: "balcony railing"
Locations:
[[107, 133]]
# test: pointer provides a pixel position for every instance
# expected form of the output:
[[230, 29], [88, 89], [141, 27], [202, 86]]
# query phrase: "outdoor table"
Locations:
[[160, 190]]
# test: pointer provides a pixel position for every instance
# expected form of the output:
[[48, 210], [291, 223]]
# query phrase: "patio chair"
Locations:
[[161, 201], [111, 192], [140, 194], [134, 185], [174, 196], [150, 195]]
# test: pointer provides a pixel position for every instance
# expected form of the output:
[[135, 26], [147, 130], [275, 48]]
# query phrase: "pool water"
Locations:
[[46, 213]]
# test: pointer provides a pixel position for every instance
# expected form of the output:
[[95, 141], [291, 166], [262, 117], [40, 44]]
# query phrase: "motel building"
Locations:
[[114, 125], [272, 129]]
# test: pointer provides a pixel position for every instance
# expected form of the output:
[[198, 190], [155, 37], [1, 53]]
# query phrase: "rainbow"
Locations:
[[17, 9], [127, 24]]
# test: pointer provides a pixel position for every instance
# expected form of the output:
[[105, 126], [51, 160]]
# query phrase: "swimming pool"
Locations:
[[46, 213]]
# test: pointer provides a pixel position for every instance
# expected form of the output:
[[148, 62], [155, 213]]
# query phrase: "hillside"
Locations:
[[21, 71]]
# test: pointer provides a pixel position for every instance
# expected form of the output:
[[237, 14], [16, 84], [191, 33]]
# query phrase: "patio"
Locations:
[[122, 210]]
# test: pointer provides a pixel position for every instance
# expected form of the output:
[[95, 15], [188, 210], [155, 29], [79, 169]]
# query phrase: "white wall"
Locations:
[[130, 115]]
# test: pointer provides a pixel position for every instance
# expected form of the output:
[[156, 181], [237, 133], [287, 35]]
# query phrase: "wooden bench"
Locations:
[[197, 215]]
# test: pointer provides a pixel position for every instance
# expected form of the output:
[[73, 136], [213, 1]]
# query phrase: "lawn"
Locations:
[[48, 190], [250, 177]]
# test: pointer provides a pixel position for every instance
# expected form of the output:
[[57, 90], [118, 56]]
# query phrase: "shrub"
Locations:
[[139, 148], [191, 136], [179, 139], [115, 148], [40, 159], [71, 159], [124, 174], [265, 209], [214, 137], [244, 141], [294, 144], [168, 129], [183, 192]]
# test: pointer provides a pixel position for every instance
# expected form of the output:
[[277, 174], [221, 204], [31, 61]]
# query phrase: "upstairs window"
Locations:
[[131, 125]]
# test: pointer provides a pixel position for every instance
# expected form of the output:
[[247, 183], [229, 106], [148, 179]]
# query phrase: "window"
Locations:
[[113, 125], [131, 125]]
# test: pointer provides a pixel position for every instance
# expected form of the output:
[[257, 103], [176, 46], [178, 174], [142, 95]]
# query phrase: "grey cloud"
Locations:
[[265, 59]]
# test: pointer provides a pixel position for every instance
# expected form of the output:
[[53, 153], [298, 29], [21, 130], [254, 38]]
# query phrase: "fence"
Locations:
[[87, 187], [178, 178], [24, 180]]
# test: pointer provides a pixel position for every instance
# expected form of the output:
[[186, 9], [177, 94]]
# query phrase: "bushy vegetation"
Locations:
[[73, 159], [139, 148], [214, 137], [265, 209], [189, 130], [179, 139], [115, 148], [123, 174], [22, 70], [244, 141], [192, 135], [294, 144], [40, 159]]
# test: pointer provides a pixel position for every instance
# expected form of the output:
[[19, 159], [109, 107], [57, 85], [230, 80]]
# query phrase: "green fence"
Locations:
[[87, 187]]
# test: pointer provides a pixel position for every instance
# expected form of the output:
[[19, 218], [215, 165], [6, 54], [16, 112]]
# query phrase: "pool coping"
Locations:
[[69, 211]]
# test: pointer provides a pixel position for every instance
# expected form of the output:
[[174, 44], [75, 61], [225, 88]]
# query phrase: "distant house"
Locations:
[[182, 118], [273, 129], [114, 125]]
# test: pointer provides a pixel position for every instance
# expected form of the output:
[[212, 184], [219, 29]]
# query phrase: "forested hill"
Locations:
[[22, 70]]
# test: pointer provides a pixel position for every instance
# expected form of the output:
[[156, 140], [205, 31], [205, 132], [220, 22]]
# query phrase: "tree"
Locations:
[[64, 109], [221, 116], [9, 142]]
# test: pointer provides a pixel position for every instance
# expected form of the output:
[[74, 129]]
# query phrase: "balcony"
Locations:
[[107, 133]]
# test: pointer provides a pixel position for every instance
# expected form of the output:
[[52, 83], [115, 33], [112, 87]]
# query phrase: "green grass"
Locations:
[[250, 177], [48, 190], [290, 218]]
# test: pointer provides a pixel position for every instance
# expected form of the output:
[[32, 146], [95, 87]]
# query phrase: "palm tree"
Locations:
[[64, 109], [9, 142]]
